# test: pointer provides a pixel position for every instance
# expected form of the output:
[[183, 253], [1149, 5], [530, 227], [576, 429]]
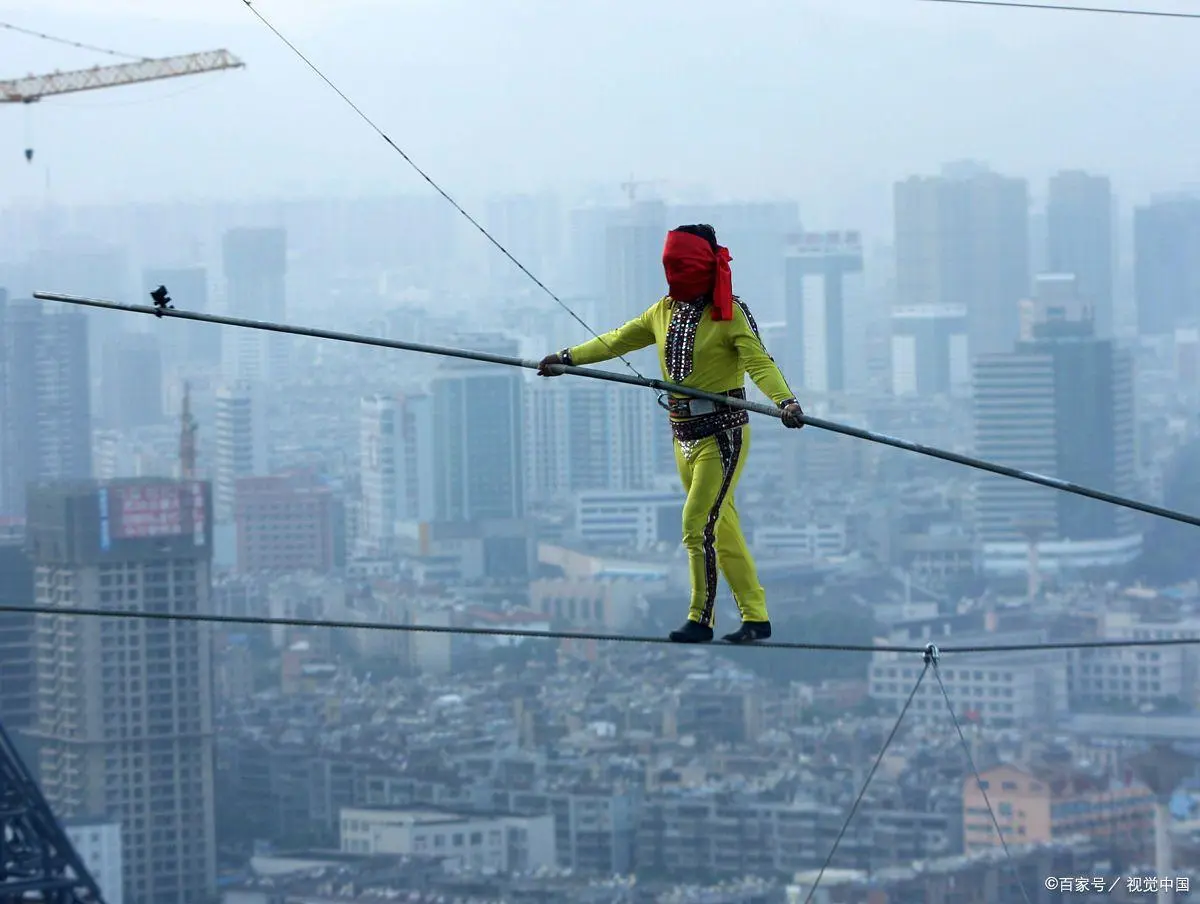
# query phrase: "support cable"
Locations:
[[660, 386], [866, 784], [979, 779], [45, 37], [437, 188], [1064, 8]]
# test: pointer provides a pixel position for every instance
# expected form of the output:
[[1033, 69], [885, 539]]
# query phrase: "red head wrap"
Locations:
[[694, 269]]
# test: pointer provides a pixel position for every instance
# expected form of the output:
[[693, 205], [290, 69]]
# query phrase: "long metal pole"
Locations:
[[660, 385]]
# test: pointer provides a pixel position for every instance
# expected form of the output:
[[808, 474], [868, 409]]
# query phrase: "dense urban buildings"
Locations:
[[447, 514]]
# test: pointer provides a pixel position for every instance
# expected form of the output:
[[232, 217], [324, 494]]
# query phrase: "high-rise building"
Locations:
[[76, 265], [479, 442], [132, 378], [634, 277], [47, 424], [18, 702], [98, 844], [634, 280], [188, 342], [241, 445], [1059, 404], [824, 351], [590, 436], [929, 351], [1166, 237], [124, 724], [255, 265], [1081, 240], [528, 226], [586, 252], [395, 464], [962, 238], [286, 523]]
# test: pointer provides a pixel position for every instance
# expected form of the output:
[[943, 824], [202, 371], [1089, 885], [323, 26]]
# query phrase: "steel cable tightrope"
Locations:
[[409, 628], [434, 185], [661, 386], [296, 622]]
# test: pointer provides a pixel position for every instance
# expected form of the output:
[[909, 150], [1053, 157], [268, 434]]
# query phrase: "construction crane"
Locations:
[[35, 87]]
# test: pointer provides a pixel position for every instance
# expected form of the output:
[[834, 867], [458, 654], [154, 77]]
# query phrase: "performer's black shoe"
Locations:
[[749, 632], [692, 632]]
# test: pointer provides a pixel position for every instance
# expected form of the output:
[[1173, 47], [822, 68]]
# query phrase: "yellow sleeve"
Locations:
[[754, 359], [629, 337]]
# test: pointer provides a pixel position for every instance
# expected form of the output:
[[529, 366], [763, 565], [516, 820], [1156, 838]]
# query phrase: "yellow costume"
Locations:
[[711, 441]]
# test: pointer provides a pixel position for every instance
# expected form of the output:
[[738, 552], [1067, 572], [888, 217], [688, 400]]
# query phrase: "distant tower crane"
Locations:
[[33, 88]]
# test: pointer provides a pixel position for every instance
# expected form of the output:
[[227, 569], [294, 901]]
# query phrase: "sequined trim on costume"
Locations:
[[729, 445], [749, 317], [680, 343], [706, 425]]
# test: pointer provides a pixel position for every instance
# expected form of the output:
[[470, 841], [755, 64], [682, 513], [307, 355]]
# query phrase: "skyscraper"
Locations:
[[929, 351], [962, 238], [634, 277], [1060, 404], [1080, 240], [124, 705], [395, 464], [241, 443], [47, 424], [1166, 236], [479, 443], [255, 264], [528, 226], [132, 378], [18, 702], [821, 346], [590, 436]]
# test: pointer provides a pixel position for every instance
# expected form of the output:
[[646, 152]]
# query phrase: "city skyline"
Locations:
[[389, 622]]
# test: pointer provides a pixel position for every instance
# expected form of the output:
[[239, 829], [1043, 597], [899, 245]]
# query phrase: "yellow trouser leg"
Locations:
[[736, 563], [710, 474]]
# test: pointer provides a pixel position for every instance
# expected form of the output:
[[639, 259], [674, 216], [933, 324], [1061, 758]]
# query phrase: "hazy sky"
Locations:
[[828, 101]]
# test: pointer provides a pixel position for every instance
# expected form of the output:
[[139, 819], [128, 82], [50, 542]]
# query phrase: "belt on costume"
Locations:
[[697, 419], [686, 407]]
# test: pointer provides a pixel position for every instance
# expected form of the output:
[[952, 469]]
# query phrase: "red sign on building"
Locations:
[[158, 510]]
